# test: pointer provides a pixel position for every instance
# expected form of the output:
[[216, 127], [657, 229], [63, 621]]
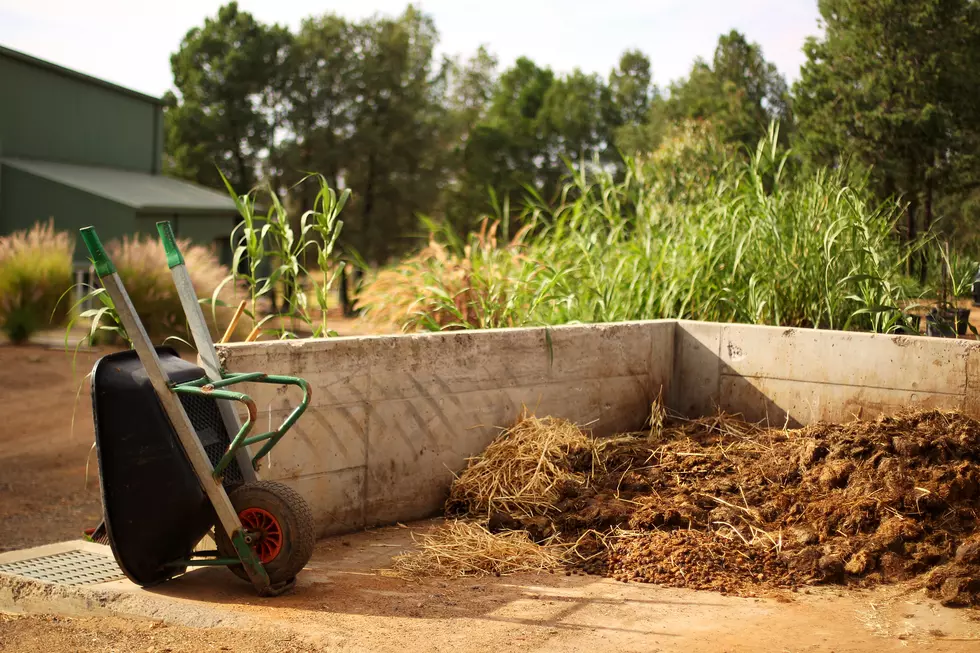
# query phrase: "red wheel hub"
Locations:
[[265, 531]]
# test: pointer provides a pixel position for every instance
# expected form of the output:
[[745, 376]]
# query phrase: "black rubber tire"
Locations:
[[295, 519]]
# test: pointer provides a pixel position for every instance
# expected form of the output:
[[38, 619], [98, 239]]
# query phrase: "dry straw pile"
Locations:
[[522, 471]]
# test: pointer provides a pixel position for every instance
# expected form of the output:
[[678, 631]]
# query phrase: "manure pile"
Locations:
[[720, 504]]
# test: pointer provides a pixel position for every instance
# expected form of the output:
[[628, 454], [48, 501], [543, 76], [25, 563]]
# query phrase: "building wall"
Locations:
[[26, 200], [45, 115], [208, 230]]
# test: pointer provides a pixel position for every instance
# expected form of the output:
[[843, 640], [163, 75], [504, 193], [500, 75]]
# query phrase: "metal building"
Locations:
[[84, 152]]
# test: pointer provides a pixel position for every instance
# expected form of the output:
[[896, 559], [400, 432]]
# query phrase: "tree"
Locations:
[[470, 89], [220, 116], [638, 125], [392, 159], [534, 123], [507, 148], [630, 86], [577, 120], [893, 83], [739, 91], [319, 102]]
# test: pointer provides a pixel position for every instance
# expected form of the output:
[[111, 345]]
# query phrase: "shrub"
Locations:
[[35, 268], [141, 264]]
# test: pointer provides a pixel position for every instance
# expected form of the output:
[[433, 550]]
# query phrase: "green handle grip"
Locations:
[[174, 257], [103, 266]]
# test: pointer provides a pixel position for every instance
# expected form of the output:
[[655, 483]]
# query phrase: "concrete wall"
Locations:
[[798, 376], [393, 417]]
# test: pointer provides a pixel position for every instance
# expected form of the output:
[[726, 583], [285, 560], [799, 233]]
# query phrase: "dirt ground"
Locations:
[[58, 633], [43, 493], [342, 603]]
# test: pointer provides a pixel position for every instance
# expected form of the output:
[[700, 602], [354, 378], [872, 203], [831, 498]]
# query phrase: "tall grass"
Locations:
[[693, 231], [35, 267], [454, 283]]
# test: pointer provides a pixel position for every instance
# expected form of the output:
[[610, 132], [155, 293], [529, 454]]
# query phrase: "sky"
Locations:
[[130, 42]]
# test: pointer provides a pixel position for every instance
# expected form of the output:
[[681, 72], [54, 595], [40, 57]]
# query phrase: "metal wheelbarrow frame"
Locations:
[[174, 454]]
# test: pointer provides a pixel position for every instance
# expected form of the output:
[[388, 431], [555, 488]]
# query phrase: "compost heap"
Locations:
[[720, 504]]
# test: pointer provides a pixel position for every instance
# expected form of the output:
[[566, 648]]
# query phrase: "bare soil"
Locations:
[[44, 496], [45, 633], [342, 603]]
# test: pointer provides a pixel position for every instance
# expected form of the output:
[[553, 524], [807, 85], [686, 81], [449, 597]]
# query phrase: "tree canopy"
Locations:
[[224, 72], [893, 84], [890, 84]]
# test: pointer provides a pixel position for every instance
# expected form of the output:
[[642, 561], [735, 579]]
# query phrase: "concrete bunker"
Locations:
[[394, 417]]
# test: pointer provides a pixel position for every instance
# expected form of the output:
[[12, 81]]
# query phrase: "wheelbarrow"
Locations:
[[174, 459]]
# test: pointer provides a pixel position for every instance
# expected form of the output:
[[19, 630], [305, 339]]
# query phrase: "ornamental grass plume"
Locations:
[[35, 269]]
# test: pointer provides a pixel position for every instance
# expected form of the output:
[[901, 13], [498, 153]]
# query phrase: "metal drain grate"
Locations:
[[69, 568]]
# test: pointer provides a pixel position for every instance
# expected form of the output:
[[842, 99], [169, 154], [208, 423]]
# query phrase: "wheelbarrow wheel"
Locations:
[[283, 523]]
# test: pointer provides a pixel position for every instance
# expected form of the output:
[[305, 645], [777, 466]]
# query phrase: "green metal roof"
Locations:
[[74, 74], [141, 191]]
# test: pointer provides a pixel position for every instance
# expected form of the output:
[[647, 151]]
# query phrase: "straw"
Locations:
[[522, 470], [468, 549]]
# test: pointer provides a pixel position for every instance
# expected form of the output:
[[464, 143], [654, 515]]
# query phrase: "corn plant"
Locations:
[[275, 256]]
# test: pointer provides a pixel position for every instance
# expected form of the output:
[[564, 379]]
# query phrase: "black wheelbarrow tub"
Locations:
[[154, 506]]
